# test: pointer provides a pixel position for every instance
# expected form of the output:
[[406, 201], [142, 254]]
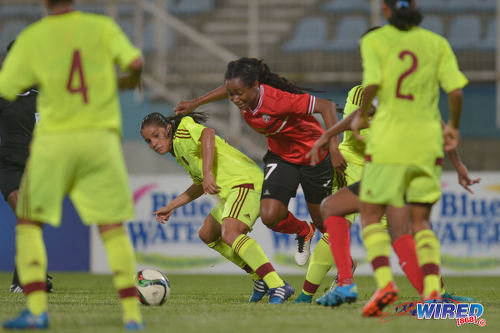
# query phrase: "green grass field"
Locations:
[[218, 303]]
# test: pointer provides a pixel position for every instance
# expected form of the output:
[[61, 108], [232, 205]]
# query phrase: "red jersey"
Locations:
[[287, 121]]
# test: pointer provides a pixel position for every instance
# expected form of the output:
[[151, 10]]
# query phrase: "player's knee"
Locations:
[[324, 207]]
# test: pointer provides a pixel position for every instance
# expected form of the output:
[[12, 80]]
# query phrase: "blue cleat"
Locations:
[[260, 289], [134, 326], [450, 298], [339, 295], [27, 320], [303, 298], [280, 294]]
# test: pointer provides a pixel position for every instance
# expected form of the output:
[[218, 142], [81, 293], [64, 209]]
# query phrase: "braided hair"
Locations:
[[157, 118], [250, 70], [405, 15]]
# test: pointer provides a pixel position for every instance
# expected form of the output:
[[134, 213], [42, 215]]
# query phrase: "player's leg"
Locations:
[[240, 212], [101, 194], [320, 263], [423, 191], [210, 233], [343, 203], [281, 180], [404, 245], [381, 185]]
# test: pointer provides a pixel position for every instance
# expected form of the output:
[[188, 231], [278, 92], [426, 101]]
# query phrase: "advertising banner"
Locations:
[[467, 225]]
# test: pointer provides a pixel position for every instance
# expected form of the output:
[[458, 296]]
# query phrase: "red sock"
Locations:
[[339, 239], [292, 225], [404, 247]]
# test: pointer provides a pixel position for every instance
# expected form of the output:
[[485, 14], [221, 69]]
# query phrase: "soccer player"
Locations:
[[219, 169], [75, 149], [283, 112], [345, 202], [17, 120], [404, 65]]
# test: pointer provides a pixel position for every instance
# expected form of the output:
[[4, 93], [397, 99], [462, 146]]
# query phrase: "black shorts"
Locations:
[[354, 188], [10, 178], [281, 179]]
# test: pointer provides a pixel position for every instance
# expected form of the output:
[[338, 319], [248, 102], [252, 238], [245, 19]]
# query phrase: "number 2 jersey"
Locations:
[[287, 121], [230, 168], [409, 66], [71, 57]]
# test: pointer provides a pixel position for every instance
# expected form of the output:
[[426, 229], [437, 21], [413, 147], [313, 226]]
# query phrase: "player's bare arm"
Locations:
[[192, 193], [184, 107], [361, 120], [132, 78], [327, 109], [450, 131], [208, 150], [463, 173]]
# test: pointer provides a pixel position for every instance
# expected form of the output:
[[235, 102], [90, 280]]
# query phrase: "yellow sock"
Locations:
[[429, 260], [227, 252], [251, 252], [122, 263], [31, 262], [378, 249], [320, 263]]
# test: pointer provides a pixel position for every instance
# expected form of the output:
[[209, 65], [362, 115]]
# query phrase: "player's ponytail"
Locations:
[[405, 15], [250, 70]]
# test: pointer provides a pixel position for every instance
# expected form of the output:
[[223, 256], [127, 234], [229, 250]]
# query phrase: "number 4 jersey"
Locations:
[[71, 57], [409, 66]]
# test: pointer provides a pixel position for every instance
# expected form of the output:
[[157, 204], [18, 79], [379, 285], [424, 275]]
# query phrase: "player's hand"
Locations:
[[357, 124], [320, 145], [338, 161], [451, 137], [209, 185], [463, 178], [184, 107], [163, 214], [129, 82]]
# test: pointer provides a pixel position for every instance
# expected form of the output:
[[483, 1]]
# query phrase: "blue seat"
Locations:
[[347, 34], [190, 7], [433, 23], [431, 5], [465, 32], [346, 6], [460, 5], [485, 5], [310, 34]]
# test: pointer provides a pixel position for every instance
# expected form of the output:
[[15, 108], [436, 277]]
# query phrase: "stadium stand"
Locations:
[[490, 40], [190, 7], [433, 23], [347, 6]]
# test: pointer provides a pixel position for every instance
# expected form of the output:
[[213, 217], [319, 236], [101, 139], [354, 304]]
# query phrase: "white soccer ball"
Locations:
[[153, 287]]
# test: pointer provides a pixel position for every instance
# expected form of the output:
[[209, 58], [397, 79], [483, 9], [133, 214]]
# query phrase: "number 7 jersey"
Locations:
[[408, 66], [71, 57]]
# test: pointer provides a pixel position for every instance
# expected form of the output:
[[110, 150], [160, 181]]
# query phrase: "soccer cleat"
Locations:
[[304, 246], [16, 288], [450, 298], [260, 289], [134, 326], [27, 320], [434, 297], [303, 298], [380, 299], [336, 279], [280, 294], [338, 296]]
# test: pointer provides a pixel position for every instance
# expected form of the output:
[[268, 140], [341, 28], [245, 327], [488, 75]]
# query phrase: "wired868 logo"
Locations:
[[463, 313]]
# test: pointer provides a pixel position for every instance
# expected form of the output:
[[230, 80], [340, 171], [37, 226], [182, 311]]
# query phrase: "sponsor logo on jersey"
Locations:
[[266, 117]]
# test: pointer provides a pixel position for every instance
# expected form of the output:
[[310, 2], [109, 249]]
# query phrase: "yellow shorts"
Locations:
[[87, 165], [242, 203], [390, 184]]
